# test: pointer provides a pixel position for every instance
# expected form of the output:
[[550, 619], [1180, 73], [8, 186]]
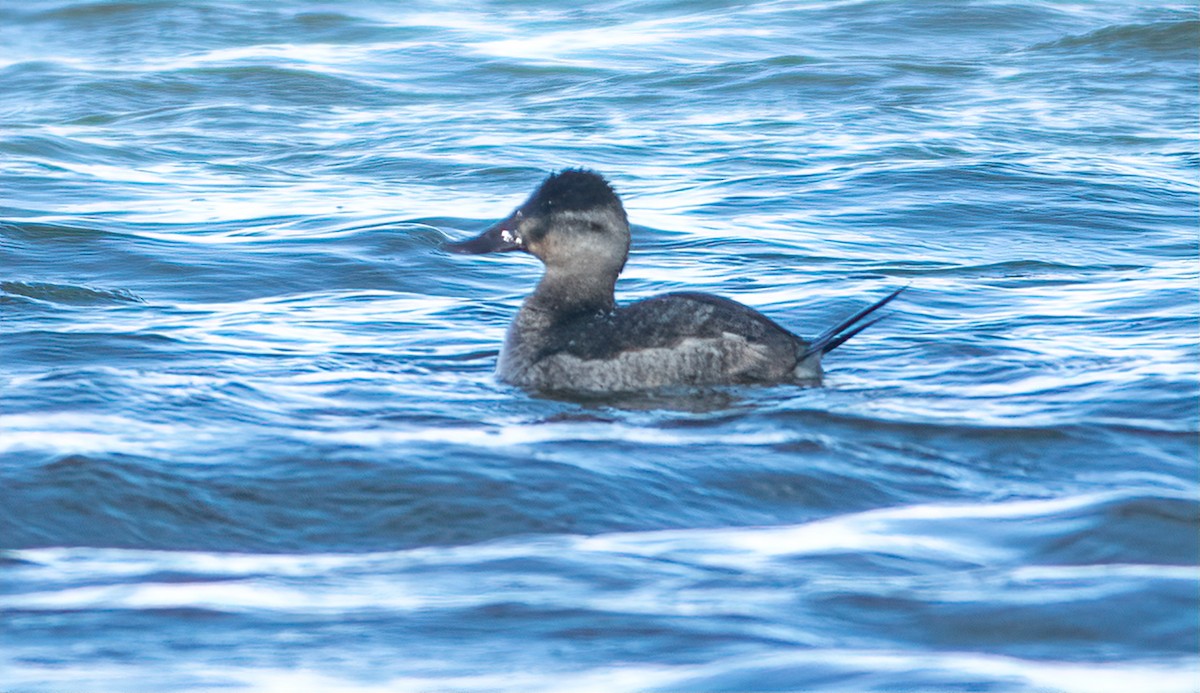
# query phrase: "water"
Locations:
[[249, 434]]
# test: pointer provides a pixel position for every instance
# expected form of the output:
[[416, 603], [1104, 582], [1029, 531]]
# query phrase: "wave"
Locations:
[[68, 294], [1164, 39], [1003, 593]]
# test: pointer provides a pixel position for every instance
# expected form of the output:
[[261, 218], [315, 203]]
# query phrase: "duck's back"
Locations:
[[668, 340]]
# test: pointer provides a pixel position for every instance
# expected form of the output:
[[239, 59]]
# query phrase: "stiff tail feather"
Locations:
[[837, 335]]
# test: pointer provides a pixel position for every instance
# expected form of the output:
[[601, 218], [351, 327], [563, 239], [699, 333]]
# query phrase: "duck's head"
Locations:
[[573, 221]]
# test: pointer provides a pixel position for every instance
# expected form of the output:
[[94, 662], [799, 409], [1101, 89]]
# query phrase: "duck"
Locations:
[[571, 336]]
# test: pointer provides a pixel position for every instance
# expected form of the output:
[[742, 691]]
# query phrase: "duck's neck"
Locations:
[[564, 294], [561, 296]]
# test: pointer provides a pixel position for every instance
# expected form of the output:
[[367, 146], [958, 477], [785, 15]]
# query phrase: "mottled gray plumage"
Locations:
[[571, 336]]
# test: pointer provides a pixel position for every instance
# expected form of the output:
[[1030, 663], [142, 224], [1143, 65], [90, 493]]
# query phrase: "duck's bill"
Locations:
[[500, 238]]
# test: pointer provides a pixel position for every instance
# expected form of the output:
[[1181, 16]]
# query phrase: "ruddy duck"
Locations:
[[571, 336]]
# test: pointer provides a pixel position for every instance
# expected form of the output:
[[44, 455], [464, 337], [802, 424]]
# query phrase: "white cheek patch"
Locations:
[[510, 237]]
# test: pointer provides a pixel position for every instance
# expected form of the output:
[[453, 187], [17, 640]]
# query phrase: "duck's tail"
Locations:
[[837, 335]]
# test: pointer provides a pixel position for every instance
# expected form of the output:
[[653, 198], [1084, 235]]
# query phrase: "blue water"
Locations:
[[249, 433]]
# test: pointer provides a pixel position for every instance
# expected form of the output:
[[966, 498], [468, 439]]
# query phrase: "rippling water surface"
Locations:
[[249, 433]]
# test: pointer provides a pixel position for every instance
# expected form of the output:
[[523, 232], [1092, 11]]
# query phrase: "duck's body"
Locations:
[[669, 340], [571, 336]]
